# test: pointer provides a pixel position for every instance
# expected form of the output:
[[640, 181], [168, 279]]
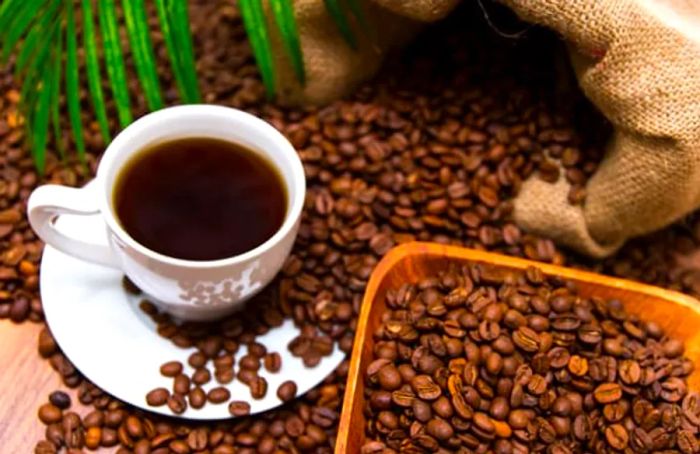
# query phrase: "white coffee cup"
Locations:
[[194, 290]]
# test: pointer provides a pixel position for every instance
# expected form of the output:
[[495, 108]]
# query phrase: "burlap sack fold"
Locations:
[[637, 60]]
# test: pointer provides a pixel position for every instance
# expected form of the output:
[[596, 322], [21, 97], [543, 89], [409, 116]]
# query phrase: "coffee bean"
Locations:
[[250, 362], [201, 376], [157, 397], [177, 404], [197, 397], [258, 387], [617, 436], [239, 408], [50, 413], [630, 372], [272, 362], [95, 418], [439, 429], [60, 399], [425, 387], [389, 377], [218, 395], [45, 447], [224, 376], [607, 392], [171, 369], [181, 384], [47, 344], [197, 360], [287, 391]]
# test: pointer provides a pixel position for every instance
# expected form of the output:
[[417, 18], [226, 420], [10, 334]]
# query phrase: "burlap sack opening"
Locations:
[[638, 61]]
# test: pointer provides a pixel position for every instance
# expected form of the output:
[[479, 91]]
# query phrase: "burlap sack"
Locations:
[[333, 68], [637, 60]]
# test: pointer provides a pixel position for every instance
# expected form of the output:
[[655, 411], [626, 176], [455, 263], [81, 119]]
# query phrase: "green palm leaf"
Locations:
[[284, 17], [16, 28], [142, 47], [335, 9], [180, 26], [92, 64], [256, 28], [73, 81], [178, 60], [114, 60], [35, 43], [55, 77]]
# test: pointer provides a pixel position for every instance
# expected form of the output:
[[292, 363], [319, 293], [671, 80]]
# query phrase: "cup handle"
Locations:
[[48, 202]]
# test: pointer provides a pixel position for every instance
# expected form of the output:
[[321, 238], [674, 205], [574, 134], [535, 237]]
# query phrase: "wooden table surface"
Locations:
[[25, 383]]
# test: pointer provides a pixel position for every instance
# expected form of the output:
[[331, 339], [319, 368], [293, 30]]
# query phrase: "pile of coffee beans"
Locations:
[[482, 360], [435, 148]]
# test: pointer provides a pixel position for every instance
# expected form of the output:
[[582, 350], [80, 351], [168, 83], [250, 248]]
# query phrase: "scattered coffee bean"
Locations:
[[177, 403], [60, 399], [50, 413], [157, 397], [171, 369], [239, 408], [218, 395], [287, 391], [197, 397], [272, 362]]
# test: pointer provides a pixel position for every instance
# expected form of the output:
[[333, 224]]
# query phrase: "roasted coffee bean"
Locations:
[[607, 392], [60, 399], [617, 436], [287, 391], [389, 377], [258, 388], [239, 408], [177, 403], [201, 376], [197, 397], [50, 413], [181, 384], [95, 418], [272, 362], [218, 395], [157, 397], [171, 369], [224, 376]]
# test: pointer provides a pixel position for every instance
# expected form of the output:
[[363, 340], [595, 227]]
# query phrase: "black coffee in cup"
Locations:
[[200, 198]]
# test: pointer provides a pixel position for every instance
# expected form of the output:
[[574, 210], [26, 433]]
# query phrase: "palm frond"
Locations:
[[255, 26], [178, 60], [92, 64], [284, 17], [43, 34], [180, 25], [73, 82], [55, 77], [114, 59], [339, 16], [142, 47]]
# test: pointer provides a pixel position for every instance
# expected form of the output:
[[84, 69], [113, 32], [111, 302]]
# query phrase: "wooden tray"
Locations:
[[678, 314]]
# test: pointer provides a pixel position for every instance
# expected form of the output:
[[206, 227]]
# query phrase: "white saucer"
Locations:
[[103, 332]]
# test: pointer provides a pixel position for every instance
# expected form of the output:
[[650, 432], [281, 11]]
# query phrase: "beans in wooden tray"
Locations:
[[540, 368]]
